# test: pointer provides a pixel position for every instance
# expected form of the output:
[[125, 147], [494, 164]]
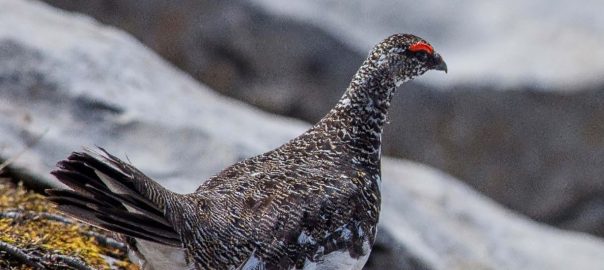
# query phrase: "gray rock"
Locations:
[[501, 43], [63, 83], [450, 226], [238, 49], [226, 45], [77, 83]]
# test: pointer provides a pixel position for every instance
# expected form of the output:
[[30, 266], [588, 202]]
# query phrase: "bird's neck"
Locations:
[[359, 117]]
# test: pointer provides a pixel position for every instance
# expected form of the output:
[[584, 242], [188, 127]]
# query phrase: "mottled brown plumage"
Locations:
[[312, 203]]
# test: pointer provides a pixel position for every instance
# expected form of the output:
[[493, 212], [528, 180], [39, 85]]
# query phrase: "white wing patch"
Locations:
[[158, 256], [306, 239], [339, 260], [252, 263]]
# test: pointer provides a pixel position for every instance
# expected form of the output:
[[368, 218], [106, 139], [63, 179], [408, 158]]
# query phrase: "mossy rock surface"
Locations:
[[34, 235]]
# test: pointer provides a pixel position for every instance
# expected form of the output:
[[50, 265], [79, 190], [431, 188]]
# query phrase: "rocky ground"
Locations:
[[34, 235], [67, 81], [518, 117]]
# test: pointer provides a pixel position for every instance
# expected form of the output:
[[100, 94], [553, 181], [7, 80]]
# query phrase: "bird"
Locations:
[[311, 203]]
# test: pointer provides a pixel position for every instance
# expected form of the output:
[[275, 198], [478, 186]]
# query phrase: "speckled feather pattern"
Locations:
[[291, 207]]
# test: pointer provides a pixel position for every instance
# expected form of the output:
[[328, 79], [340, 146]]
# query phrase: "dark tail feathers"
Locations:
[[113, 195]]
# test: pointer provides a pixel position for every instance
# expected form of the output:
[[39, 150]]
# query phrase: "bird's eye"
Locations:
[[422, 56]]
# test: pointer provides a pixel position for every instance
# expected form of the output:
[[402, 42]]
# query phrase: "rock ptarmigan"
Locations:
[[312, 203]]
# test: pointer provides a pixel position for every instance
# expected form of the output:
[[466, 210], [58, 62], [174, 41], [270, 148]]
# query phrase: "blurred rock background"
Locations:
[[520, 116]]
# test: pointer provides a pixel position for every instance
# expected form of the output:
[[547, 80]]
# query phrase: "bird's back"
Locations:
[[290, 207]]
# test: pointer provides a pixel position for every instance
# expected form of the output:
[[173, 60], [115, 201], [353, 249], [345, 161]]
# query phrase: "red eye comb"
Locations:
[[421, 47]]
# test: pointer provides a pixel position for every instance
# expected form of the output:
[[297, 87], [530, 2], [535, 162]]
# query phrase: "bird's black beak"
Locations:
[[439, 63]]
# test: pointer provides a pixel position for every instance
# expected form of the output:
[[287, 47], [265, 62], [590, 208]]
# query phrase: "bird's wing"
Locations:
[[293, 219]]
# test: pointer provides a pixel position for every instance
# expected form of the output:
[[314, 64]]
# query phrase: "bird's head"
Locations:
[[402, 57]]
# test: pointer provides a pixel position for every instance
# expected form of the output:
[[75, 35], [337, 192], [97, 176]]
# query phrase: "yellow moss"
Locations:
[[49, 236]]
